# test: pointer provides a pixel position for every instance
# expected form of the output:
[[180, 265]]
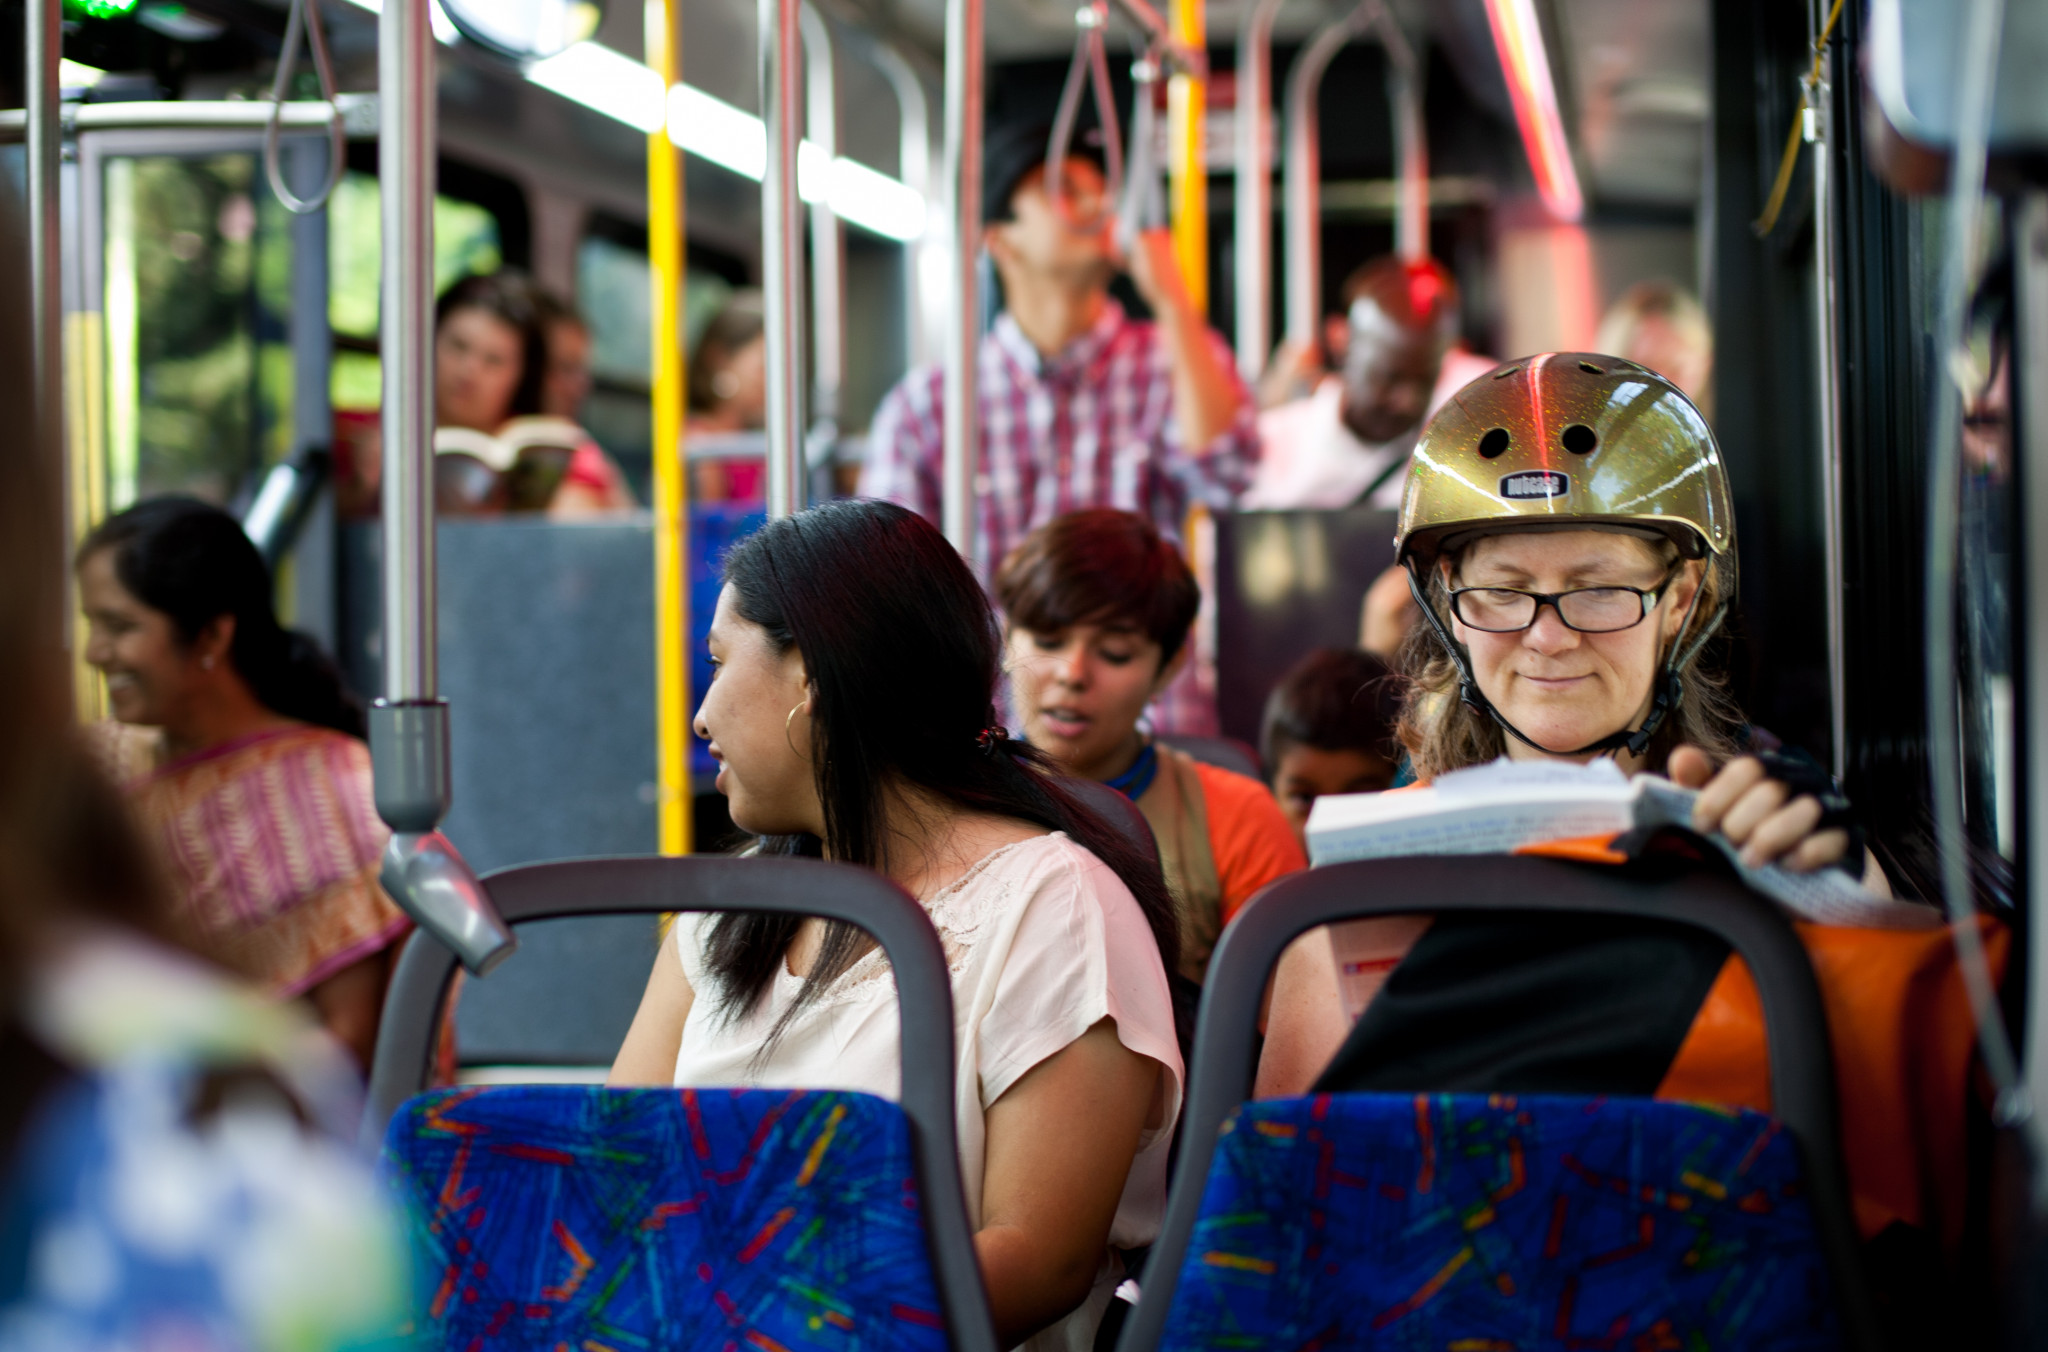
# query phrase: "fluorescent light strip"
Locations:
[[612, 83], [1519, 41]]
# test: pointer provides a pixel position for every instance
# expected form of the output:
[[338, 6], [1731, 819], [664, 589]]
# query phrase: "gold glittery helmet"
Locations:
[[1567, 441], [1573, 438]]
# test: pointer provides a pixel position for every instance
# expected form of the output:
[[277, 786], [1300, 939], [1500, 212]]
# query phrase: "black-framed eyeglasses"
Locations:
[[1588, 610]]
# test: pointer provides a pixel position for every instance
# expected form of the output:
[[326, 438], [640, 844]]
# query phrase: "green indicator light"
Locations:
[[98, 9]]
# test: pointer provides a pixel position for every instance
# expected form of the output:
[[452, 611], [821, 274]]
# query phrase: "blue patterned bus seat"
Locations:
[[545, 1216], [1502, 1224]]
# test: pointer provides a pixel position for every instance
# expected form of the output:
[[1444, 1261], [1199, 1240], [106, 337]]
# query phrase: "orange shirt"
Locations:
[[1250, 839]]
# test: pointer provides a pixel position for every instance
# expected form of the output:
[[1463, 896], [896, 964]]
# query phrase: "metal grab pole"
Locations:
[[1827, 363], [963, 331], [46, 276], [1304, 181], [1254, 188], [782, 244], [828, 237], [1180, 55], [914, 167], [1411, 141], [405, 152], [1304, 159], [409, 727]]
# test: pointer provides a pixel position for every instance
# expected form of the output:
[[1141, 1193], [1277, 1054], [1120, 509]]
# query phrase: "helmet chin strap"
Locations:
[[1670, 688]]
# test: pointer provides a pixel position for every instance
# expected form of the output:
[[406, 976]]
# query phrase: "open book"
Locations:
[[1502, 807]]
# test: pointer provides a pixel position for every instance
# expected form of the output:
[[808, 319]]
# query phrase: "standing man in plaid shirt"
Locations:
[[1081, 405]]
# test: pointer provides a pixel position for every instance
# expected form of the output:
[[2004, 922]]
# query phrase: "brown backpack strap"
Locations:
[[1179, 814]]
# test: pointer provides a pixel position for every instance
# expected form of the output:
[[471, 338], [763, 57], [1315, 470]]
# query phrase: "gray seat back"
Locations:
[[802, 887]]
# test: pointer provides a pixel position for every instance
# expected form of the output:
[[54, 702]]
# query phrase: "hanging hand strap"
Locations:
[[1090, 66], [1143, 206], [306, 14]]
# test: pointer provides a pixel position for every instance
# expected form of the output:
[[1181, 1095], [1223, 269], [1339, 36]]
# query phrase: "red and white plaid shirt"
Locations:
[[1092, 426]]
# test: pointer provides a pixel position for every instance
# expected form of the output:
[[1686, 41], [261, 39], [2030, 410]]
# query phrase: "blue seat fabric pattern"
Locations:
[[1502, 1224], [752, 1220]]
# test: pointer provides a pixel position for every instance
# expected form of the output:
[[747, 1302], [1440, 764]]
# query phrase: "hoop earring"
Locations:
[[788, 739]]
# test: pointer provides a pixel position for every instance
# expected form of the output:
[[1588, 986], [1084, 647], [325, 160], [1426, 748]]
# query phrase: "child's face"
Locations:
[[1305, 773]]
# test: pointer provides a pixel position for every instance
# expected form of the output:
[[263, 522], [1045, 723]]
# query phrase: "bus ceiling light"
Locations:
[[732, 138], [1526, 63], [606, 81], [701, 124]]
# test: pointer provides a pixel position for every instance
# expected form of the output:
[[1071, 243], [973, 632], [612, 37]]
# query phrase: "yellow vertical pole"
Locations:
[[85, 453], [1186, 173], [671, 499]]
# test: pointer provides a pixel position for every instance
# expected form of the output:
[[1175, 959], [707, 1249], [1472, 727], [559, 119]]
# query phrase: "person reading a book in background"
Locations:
[[504, 349], [1099, 606], [492, 341], [593, 485], [1329, 728], [1569, 535]]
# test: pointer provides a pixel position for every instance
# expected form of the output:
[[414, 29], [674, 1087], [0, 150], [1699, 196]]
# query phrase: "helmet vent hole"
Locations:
[[1591, 369], [1494, 442], [1579, 439]]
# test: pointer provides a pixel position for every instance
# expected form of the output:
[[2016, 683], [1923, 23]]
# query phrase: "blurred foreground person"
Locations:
[[171, 1168], [244, 758]]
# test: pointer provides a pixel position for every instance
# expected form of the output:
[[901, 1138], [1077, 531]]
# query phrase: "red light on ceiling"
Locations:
[[1526, 64]]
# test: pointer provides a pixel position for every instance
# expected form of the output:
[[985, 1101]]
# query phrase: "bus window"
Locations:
[[614, 293], [198, 281], [466, 240]]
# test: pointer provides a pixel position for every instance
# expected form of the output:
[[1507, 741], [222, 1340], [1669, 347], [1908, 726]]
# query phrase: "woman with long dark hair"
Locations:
[[853, 716], [243, 755]]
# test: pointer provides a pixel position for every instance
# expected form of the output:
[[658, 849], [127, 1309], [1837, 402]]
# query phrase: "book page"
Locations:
[[1484, 828], [1825, 896]]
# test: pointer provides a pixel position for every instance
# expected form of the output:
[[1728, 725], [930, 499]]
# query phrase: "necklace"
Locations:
[[1133, 782]]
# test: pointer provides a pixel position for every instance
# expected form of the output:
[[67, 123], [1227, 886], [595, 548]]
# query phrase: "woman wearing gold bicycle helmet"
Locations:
[[1567, 531], [1568, 534]]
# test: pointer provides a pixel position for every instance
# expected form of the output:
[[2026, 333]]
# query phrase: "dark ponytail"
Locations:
[[903, 654], [193, 562]]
